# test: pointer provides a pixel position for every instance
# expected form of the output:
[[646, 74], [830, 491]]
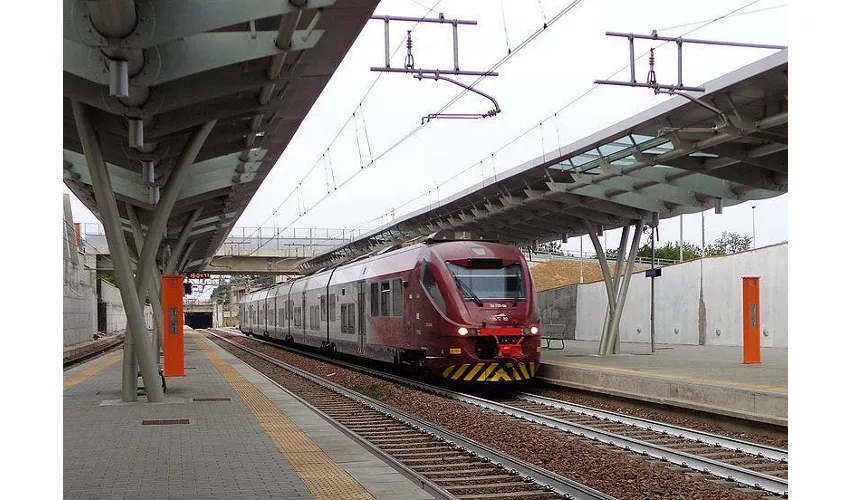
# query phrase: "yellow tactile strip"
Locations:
[[323, 477], [88, 372]]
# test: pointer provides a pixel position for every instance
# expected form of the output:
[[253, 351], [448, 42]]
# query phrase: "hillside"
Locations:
[[556, 273]]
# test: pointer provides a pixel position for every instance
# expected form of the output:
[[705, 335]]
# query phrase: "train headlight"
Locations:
[[534, 330], [462, 331]]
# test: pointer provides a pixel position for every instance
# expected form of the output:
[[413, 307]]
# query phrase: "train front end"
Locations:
[[490, 329]]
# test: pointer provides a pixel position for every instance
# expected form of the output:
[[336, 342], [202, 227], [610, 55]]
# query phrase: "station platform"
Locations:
[[710, 379], [224, 431]]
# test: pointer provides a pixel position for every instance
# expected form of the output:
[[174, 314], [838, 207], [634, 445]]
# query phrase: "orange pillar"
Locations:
[[77, 232], [172, 338], [752, 321]]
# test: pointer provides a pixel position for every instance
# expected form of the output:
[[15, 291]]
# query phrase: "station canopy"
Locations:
[[678, 157], [255, 68]]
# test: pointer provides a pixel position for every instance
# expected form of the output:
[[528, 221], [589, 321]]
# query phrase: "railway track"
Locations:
[[95, 352], [447, 464], [753, 465]]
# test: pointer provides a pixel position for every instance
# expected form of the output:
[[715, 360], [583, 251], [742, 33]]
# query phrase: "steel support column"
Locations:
[[185, 258], [614, 286], [606, 277], [108, 208], [154, 282], [159, 219], [177, 251], [614, 328]]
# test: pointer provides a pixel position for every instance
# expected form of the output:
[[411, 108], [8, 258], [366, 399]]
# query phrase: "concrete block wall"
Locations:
[[113, 308], [79, 305], [681, 317]]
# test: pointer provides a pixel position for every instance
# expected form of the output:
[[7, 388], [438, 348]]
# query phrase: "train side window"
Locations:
[[297, 316], [373, 299], [385, 298], [332, 307], [324, 305], [352, 321], [429, 282], [344, 317], [398, 298]]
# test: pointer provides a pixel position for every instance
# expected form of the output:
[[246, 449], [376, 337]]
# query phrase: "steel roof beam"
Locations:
[[191, 55], [166, 20]]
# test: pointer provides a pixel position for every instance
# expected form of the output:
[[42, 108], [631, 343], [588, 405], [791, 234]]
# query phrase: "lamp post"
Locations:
[[754, 226]]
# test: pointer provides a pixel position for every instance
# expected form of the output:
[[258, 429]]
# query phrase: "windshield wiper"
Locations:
[[463, 287]]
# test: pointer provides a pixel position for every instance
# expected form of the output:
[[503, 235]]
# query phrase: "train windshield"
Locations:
[[489, 283]]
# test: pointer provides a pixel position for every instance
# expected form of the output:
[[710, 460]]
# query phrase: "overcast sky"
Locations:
[[549, 73]]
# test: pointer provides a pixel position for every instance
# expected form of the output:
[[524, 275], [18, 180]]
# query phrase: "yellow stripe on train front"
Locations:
[[516, 373], [523, 370], [487, 372], [447, 371], [500, 374], [460, 371], [532, 367], [469, 376]]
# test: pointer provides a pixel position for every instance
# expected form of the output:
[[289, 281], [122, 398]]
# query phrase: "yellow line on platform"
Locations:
[[88, 372], [669, 376], [323, 477]]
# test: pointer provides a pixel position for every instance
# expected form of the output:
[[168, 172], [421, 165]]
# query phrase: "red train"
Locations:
[[457, 310]]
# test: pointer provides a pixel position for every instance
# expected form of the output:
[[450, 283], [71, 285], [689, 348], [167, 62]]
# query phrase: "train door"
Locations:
[[361, 323], [304, 315]]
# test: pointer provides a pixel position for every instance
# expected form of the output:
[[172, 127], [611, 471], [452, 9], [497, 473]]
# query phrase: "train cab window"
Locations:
[[398, 298], [429, 283], [489, 282], [385, 298]]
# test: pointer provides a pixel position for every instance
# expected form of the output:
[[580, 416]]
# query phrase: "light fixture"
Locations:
[[136, 132], [534, 330], [462, 331], [119, 81]]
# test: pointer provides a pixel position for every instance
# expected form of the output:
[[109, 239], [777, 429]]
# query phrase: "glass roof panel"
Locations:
[[608, 149], [624, 161], [703, 154]]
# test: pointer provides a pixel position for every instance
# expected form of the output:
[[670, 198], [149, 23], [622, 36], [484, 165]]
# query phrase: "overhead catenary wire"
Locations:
[[570, 103], [345, 124], [416, 129]]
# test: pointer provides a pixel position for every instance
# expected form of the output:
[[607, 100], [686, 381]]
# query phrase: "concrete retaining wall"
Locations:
[[112, 318], [79, 305], [681, 316]]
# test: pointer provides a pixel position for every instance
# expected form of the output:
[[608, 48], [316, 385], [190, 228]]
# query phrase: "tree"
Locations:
[[552, 247], [670, 251], [729, 243]]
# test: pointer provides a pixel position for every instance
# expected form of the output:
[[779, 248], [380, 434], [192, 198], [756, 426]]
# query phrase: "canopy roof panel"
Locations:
[[675, 158], [190, 63]]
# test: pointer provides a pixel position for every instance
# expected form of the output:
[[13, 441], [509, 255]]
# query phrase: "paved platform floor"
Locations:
[[260, 444], [706, 378]]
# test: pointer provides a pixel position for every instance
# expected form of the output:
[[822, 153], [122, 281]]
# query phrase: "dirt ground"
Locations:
[[556, 273]]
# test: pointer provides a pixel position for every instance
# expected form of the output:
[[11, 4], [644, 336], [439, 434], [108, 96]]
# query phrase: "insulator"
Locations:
[[408, 62]]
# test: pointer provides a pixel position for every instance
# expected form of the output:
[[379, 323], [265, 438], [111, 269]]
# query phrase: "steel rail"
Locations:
[[748, 477], [759, 450], [542, 477], [741, 475]]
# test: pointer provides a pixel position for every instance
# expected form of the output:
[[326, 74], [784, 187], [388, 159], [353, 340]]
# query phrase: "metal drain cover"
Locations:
[[176, 421]]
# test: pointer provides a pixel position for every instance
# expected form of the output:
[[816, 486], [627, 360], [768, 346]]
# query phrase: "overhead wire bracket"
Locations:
[[435, 74], [679, 88]]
